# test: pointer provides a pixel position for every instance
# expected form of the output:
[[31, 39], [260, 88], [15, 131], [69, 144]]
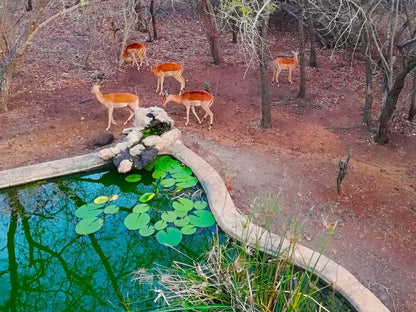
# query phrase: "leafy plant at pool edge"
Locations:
[[182, 220]]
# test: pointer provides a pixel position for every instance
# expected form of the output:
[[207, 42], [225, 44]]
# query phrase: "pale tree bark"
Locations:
[[211, 30], [368, 104], [266, 118], [301, 42]]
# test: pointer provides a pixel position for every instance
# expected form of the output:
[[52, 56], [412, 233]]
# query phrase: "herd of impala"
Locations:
[[136, 52]]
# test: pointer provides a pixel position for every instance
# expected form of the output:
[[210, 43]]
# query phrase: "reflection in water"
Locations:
[[46, 266]]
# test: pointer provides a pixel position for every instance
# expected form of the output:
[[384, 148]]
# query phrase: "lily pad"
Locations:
[[133, 178], [135, 221], [181, 222], [169, 216], [147, 230], [171, 236], [186, 181], [146, 197], [88, 211], [181, 214], [160, 225], [140, 208], [200, 204], [157, 174], [89, 225], [183, 204], [202, 218], [101, 200], [114, 197], [112, 209], [167, 182], [188, 229], [180, 172]]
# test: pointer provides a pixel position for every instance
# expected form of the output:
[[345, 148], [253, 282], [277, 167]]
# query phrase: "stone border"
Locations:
[[226, 215]]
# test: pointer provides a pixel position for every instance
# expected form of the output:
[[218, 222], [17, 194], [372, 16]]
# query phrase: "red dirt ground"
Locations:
[[296, 159]]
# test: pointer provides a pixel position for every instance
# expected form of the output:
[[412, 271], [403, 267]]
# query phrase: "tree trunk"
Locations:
[[412, 110], [153, 15], [389, 105], [266, 119], [29, 6], [368, 104], [312, 39], [301, 36], [211, 30]]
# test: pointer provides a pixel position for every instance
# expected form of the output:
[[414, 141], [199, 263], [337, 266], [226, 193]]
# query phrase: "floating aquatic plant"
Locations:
[[133, 178], [89, 225], [171, 236]]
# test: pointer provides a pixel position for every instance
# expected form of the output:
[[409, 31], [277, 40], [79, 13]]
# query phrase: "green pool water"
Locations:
[[46, 266]]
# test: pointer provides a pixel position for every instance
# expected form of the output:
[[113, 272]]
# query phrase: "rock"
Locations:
[[137, 150], [134, 138], [106, 154], [104, 139], [125, 166], [119, 148], [161, 143], [148, 156]]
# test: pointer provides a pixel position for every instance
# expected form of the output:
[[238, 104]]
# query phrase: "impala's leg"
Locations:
[[279, 69], [180, 79], [131, 115], [110, 118], [290, 75], [188, 106], [161, 85], [211, 116], [196, 115], [158, 83], [274, 72]]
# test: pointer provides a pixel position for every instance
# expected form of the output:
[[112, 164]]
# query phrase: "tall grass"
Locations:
[[232, 276]]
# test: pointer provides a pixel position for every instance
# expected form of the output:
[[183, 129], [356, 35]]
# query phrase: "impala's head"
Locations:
[[95, 89], [164, 99], [295, 54]]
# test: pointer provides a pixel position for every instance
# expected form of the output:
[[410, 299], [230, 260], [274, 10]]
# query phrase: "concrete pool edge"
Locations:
[[226, 214]]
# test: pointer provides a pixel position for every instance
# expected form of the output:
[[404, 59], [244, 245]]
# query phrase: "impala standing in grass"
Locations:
[[168, 69], [116, 100], [281, 63], [133, 50], [190, 100]]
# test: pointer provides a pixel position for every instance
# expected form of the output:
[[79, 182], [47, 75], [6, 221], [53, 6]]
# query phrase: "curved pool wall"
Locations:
[[227, 216]]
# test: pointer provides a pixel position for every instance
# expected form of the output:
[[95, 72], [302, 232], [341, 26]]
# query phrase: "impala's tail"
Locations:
[[86, 100]]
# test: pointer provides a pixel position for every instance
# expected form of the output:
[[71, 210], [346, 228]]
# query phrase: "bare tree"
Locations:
[[250, 19], [301, 43], [211, 30]]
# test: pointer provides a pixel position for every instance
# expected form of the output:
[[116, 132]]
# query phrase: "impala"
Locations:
[[135, 49], [116, 100], [281, 63], [190, 100], [168, 69]]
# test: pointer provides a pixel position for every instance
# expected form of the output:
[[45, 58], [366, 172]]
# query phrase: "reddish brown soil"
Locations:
[[297, 158]]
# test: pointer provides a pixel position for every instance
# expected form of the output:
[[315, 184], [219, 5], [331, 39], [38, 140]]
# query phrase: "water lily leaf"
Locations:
[[101, 200], [183, 204], [186, 181], [171, 236], [112, 209], [146, 197], [135, 221], [88, 211], [157, 174], [200, 204], [160, 225], [202, 218], [180, 172], [89, 225], [180, 214], [114, 197], [181, 222], [188, 229], [133, 178], [140, 208], [168, 216], [167, 182], [163, 163], [147, 230]]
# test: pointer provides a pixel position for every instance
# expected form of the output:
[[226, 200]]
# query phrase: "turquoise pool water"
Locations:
[[46, 266]]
